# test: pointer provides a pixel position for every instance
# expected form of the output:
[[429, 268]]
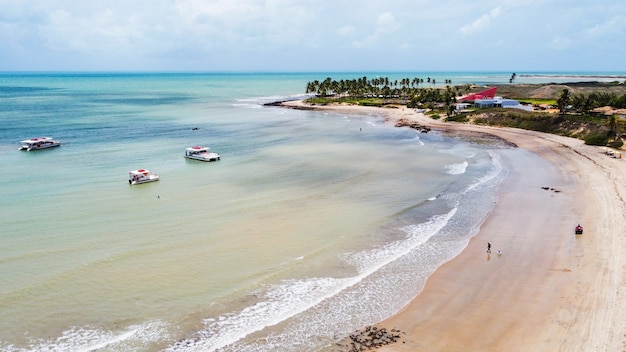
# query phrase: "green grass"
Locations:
[[538, 101]]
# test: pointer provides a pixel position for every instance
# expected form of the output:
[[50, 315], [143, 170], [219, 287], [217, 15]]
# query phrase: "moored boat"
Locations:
[[141, 176], [38, 143], [201, 153]]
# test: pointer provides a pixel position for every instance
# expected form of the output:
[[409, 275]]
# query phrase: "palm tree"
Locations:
[[612, 126], [309, 88], [563, 101], [449, 100], [313, 87], [580, 103]]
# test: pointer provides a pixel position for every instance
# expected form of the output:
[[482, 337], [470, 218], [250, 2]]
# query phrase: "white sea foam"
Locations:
[[457, 169], [86, 339], [257, 102], [278, 304], [369, 261], [293, 297], [418, 139], [497, 169], [247, 106], [273, 98]]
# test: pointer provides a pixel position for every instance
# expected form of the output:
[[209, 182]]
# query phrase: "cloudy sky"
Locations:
[[312, 35]]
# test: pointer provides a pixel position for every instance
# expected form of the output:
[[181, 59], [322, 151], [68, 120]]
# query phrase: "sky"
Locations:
[[313, 35]]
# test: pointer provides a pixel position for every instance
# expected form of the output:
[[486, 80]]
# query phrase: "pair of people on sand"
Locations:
[[499, 252]]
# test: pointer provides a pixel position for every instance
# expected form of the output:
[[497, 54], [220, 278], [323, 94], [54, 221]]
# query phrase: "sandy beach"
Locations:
[[549, 290]]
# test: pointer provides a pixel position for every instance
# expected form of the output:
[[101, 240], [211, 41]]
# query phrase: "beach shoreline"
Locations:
[[550, 290]]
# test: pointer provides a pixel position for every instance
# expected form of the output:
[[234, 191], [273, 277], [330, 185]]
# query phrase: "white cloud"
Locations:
[[561, 43], [615, 25], [482, 22], [386, 24], [346, 30], [97, 32]]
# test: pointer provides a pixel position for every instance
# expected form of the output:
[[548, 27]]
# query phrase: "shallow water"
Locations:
[[312, 225]]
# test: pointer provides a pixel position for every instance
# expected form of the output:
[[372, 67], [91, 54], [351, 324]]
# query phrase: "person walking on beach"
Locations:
[[488, 247]]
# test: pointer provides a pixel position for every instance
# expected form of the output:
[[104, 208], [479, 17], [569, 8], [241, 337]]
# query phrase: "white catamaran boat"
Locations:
[[136, 177], [201, 153], [38, 143]]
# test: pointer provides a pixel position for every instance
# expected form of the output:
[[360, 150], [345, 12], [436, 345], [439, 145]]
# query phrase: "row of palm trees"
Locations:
[[583, 104], [364, 87], [431, 97]]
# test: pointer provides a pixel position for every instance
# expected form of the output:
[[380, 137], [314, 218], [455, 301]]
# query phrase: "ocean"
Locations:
[[312, 224]]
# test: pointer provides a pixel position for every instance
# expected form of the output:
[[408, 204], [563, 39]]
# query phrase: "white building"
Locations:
[[499, 102], [462, 106]]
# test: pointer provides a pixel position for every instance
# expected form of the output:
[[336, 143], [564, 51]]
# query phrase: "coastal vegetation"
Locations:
[[569, 109]]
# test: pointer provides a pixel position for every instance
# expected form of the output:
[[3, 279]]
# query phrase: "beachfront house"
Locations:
[[499, 102], [488, 99]]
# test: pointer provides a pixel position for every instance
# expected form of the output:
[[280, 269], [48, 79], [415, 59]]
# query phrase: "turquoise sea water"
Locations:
[[312, 225]]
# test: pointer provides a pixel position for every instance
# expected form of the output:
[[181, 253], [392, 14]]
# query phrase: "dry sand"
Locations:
[[550, 290]]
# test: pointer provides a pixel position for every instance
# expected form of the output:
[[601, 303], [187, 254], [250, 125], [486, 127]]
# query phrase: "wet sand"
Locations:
[[550, 290]]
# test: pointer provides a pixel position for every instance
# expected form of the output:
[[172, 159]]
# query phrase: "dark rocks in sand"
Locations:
[[412, 124], [274, 103], [370, 338], [550, 189], [295, 107]]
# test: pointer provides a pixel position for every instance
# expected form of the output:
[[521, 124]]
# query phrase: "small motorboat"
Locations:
[[136, 177], [578, 230], [201, 153], [38, 143]]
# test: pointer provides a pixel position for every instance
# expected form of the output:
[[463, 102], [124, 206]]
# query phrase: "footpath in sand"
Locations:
[[550, 290]]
